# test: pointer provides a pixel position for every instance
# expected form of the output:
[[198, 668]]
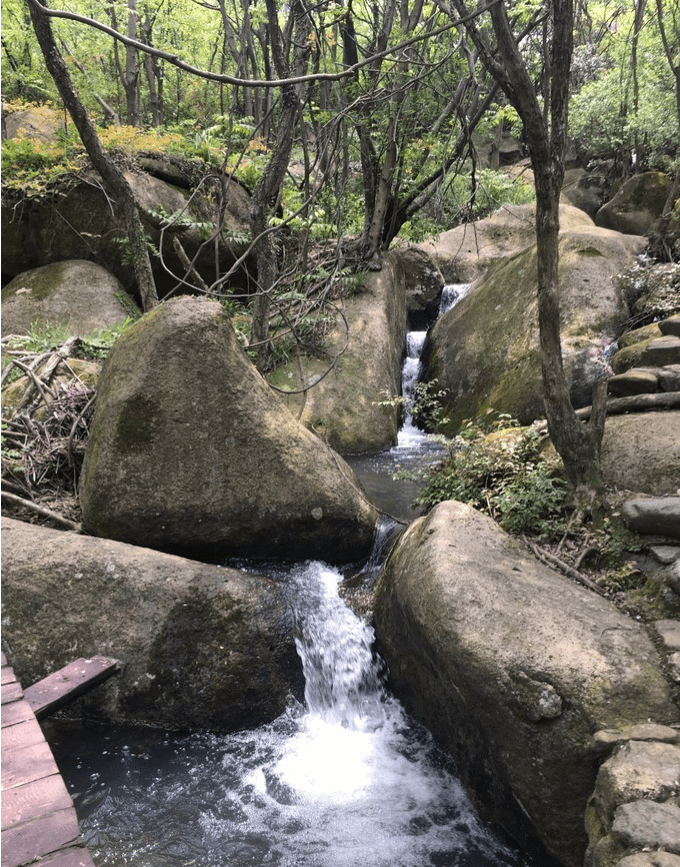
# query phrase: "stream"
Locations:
[[346, 779]]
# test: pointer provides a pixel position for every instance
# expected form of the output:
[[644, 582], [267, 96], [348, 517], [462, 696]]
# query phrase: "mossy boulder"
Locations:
[[191, 452], [79, 223], [637, 205], [200, 646], [466, 253], [582, 190], [485, 351], [348, 405], [39, 123], [78, 295], [513, 667]]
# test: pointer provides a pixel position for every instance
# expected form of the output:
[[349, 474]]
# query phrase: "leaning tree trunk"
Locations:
[[269, 186], [112, 176]]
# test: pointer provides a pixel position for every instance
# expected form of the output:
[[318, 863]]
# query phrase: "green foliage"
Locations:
[[41, 338], [32, 166], [498, 468], [96, 346]]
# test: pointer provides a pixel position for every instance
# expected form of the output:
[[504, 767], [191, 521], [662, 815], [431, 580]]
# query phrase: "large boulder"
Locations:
[[349, 404], [200, 646], [191, 451], [485, 351], [79, 223], [38, 123], [641, 452], [423, 283], [513, 667], [466, 253], [637, 205], [582, 190], [80, 295]]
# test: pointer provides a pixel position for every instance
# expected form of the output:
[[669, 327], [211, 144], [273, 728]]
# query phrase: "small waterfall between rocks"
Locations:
[[348, 780], [345, 780]]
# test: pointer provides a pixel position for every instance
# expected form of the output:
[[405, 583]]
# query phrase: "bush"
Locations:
[[498, 468]]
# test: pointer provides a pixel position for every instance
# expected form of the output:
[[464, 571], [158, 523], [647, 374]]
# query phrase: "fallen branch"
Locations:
[[636, 403], [41, 510], [550, 560]]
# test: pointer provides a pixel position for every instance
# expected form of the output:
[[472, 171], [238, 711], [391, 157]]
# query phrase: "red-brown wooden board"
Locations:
[[61, 687], [46, 835], [39, 822], [25, 765], [68, 858]]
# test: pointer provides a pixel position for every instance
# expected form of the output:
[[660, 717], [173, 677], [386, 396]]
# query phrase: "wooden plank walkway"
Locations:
[[39, 823]]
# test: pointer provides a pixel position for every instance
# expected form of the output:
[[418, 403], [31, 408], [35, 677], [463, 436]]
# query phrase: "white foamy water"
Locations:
[[348, 780]]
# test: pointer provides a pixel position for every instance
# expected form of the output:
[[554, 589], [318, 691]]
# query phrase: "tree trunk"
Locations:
[[112, 176], [578, 444], [268, 188]]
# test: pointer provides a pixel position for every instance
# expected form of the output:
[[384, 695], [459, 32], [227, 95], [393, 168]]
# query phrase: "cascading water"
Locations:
[[413, 447], [348, 781]]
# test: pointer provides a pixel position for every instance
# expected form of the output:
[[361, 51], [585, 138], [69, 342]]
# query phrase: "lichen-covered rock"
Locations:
[[80, 224], [653, 515], [641, 452], [200, 646], [582, 190], [637, 205], [349, 408], [466, 253], [650, 859], [190, 451], [646, 824], [513, 667], [79, 295], [423, 283], [485, 351], [637, 770]]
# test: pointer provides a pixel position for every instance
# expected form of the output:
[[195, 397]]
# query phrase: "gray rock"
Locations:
[[650, 859], [466, 253], [481, 640], [38, 123], [646, 823], [201, 646], [669, 630], [653, 515], [82, 225], [637, 205], [582, 191], [485, 351], [79, 295], [669, 377], [665, 554], [638, 770], [423, 283], [662, 350], [641, 452], [349, 408], [634, 381], [674, 666], [671, 325], [639, 732], [191, 452]]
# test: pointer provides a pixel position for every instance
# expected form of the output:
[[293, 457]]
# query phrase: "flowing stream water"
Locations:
[[345, 780]]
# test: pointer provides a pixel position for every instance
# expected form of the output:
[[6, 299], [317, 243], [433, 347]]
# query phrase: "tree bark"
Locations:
[[578, 444], [112, 176], [269, 186]]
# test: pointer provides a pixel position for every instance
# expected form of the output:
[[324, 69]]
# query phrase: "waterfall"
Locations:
[[347, 780], [410, 437]]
